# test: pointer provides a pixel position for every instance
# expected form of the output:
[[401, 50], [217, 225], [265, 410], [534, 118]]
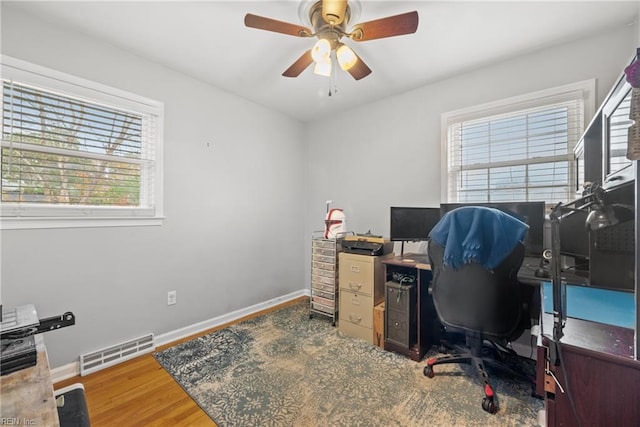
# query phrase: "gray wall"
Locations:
[[233, 234], [389, 152]]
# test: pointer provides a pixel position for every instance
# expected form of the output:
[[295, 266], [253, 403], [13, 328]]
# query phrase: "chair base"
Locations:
[[473, 356]]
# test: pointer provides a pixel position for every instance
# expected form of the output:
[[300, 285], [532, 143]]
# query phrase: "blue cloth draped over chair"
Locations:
[[478, 234]]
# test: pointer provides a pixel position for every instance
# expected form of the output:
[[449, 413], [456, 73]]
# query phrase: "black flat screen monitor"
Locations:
[[574, 238], [411, 223], [531, 213]]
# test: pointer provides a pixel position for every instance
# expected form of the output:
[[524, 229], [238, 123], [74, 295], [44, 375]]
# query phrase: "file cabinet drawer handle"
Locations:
[[355, 319], [354, 285]]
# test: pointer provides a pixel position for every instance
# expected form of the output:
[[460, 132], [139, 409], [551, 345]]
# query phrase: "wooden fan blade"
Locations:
[[299, 66], [268, 24], [359, 70], [405, 23]]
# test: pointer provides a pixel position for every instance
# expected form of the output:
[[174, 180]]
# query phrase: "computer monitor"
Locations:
[[574, 238], [531, 213], [574, 243], [412, 223]]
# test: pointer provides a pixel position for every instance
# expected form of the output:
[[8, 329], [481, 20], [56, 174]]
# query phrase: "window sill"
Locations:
[[25, 223]]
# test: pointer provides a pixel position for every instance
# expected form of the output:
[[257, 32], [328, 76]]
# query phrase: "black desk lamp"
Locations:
[[600, 215]]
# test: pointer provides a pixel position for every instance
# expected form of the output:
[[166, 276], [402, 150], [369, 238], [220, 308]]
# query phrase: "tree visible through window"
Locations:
[[57, 150], [79, 152]]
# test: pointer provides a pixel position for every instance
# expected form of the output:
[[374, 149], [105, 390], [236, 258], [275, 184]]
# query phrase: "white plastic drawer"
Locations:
[[324, 258], [316, 292], [322, 280], [323, 308], [324, 252], [323, 287], [324, 244], [324, 273], [324, 266]]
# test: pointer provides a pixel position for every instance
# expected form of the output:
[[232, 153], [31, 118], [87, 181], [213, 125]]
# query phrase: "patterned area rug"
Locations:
[[284, 369]]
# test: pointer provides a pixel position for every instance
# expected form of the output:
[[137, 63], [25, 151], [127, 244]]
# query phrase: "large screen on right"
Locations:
[[532, 213]]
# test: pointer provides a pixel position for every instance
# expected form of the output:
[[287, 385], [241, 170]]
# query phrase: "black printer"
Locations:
[[365, 245]]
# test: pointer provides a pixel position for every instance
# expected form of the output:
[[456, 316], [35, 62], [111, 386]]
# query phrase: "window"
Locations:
[[520, 149], [76, 153]]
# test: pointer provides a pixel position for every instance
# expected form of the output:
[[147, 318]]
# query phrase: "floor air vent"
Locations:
[[113, 355]]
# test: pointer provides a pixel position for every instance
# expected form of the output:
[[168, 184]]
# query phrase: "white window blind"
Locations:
[[75, 149], [515, 150]]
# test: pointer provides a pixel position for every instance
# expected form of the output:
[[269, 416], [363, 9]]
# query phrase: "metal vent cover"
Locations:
[[100, 359]]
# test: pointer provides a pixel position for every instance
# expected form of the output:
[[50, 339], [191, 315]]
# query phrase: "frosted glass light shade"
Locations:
[[321, 51], [346, 57], [323, 68]]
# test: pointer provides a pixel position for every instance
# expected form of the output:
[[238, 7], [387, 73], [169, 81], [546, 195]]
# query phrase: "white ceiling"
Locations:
[[208, 40]]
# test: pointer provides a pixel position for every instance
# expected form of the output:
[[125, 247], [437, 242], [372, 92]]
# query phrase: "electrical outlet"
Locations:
[[171, 298]]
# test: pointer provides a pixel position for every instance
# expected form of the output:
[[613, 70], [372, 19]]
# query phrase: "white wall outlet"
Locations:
[[171, 297]]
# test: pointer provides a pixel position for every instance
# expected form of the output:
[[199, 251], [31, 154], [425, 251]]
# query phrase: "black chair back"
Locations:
[[475, 299]]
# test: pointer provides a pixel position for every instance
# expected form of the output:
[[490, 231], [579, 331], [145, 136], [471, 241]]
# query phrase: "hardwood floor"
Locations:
[[140, 392]]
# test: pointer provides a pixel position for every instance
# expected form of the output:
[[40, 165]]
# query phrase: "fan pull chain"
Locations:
[[333, 87]]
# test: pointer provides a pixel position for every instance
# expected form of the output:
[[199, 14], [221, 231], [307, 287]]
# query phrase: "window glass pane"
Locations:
[[507, 177], [551, 195], [33, 177], [41, 118], [474, 180], [474, 144], [544, 174], [508, 195], [472, 196]]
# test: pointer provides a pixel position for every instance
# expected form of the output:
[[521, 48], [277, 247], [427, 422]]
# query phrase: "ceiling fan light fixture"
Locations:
[[333, 11], [323, 68], [321, 51], [346, 57]]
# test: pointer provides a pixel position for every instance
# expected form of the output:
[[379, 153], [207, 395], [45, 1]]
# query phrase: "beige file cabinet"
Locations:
[[361, 288]]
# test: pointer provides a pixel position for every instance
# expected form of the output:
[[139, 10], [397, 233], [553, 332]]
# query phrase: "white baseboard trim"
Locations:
[[65, 372], [172, 336], [73, 369]]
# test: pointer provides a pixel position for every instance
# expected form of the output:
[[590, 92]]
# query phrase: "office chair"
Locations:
[[478, 293]]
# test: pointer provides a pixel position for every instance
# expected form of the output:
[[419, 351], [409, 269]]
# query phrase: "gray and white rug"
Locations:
[[284, 369]]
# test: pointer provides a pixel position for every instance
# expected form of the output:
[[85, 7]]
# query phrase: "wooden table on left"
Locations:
[[26, 396]]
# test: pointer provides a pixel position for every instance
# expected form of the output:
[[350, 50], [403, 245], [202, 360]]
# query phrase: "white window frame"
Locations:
[[522, 102], [27, 216]]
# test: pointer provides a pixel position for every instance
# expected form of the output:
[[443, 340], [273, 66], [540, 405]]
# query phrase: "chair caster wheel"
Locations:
[[428, 371], [489, 405]]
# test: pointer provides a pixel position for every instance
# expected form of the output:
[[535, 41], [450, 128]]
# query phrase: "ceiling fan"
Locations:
[[329, 19]]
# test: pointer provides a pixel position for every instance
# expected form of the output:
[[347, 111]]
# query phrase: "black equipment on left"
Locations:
[[17, 344]]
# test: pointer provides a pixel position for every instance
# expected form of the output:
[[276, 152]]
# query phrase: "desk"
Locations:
[[27, 395], [531, 284], [527, 275], [427, 321], [602, 375]]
